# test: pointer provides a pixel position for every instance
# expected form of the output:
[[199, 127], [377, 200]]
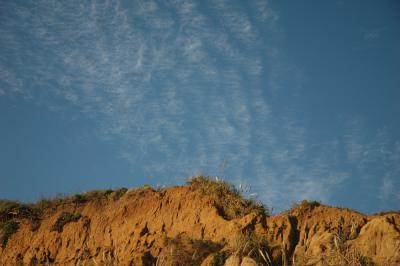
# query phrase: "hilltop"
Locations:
[[203, 223]]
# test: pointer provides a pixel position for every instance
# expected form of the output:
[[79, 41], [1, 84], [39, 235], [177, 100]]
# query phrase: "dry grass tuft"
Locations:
[[341, 254], [183, 250], [249, 244]]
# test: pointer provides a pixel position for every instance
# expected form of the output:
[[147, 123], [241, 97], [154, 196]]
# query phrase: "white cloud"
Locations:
[[371, 34], [389, 190], [375, 157], [265, 13]]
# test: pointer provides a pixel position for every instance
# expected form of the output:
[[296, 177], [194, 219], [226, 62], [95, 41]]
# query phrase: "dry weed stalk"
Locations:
[[249, 244]]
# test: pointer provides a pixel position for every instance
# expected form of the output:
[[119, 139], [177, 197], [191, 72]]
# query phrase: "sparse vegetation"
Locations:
[[143, 188], [15, 210], [386, 213], [99, 194], [9, 228], [229, 201], [64, 219], [45, 204]]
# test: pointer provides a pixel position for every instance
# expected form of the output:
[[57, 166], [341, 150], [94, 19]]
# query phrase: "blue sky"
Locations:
[[296, 100]]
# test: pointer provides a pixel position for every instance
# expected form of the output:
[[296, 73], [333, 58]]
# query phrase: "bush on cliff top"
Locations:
[[228, 200]]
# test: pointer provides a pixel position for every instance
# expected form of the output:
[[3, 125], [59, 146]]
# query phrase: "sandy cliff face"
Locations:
[[322, 235], [184, 226]]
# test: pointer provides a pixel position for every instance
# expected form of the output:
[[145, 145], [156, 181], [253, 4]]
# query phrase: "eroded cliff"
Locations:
[[203, 223]]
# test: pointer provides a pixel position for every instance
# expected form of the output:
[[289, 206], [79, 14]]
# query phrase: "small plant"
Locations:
[[219, 258], [97, 195], [306, 203], [147, 186], [228, 200], [64, 218], [9, 228], [312, 203]]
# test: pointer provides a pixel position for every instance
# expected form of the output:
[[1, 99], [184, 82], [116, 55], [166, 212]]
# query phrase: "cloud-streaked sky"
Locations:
[[295, 100]]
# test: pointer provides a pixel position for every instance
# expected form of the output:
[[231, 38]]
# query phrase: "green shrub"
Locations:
[[9, 228], [79, 198], [63, 219], [229, 201], [219, 258], [365, 261], [306, 203], [10, 210], [7, 209]]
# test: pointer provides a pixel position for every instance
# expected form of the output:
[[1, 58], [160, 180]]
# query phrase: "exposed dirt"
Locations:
[[183, 226]]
